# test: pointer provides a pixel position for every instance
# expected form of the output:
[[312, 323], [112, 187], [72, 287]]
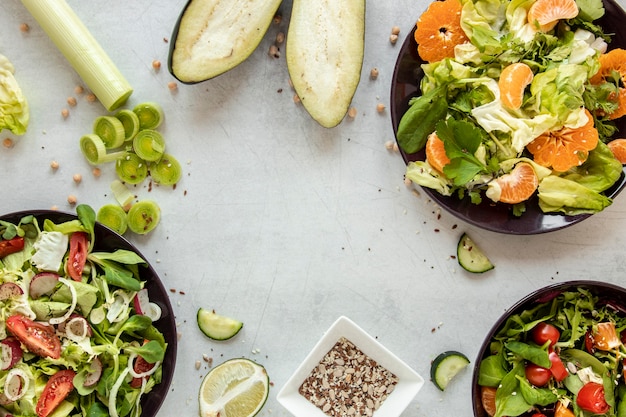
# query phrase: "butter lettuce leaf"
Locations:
[[561, 195], [14, 111]]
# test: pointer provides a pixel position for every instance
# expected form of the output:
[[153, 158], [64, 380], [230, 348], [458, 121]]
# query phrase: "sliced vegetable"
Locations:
[[150, 115], [122, 194], [43, 283], [605, 336], [216, 326], [167, 171], [94, 150], [113, 217], [591, 398], [111, 131], [144, 216], [325, 47], [130, 121], [131, 168], [213, 36], [149, 145], [446, 366], [11, 353], [14, 110], [10, 290], [58, 387], [79, 246], [471, 257], [38, 338], [82, 50], [10, 246]]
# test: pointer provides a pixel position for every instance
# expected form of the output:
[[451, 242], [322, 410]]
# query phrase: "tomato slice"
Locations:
[[58, 387], [79, 245], [591, 398], [559, 372], [605, 337], [10, 246], [38, 338]]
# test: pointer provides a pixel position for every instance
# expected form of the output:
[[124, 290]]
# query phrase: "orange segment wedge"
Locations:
[[519, 184], [618, 147], [614, 60], [513, 81], [547, 13], [436, 152], [439, 30], [488, 399]]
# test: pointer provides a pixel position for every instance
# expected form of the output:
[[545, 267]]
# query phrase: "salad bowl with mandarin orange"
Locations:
[[509, 114]]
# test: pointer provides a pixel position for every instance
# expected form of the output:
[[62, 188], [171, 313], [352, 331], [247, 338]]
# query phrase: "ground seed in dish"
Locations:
[[347, 382]]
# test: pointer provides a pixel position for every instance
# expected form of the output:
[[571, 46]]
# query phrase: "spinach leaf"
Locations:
[[491, 371], [536, 396], [507, 402], [152, 351], [420, 119], [534, 354], [87, 217]]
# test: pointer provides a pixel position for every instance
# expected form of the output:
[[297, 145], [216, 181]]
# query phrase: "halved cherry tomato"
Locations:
[[58, 387], [539, 415], [38, 338], [545, 332], [589, 342], [10, 246], [558, 370], [140, 366], [605, 337], [591, 398], [79, 245], [537, 375]]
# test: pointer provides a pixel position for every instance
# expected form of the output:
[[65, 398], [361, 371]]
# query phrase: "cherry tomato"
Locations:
[[79, 245], [537, 375], [58, 387], [558, 370], [544, 332], [589, 343], [10, 246], [539, 415], [140, 366], [38, 338], [591, 398]]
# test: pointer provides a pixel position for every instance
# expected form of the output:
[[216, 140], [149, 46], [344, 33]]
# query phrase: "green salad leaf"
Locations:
[[14, 111]]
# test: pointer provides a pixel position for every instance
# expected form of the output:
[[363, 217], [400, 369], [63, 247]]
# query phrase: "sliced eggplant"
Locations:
[[213, 36], [324, 52]]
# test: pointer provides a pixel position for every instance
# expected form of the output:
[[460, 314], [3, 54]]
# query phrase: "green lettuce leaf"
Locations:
[[599, 172], [558, 194], [14, 112]]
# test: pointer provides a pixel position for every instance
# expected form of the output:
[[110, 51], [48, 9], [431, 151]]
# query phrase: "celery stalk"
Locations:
[[82, 50]]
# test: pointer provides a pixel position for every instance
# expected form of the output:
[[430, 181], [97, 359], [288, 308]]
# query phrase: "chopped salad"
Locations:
[[76, 325], [564, 358], [567, 108]]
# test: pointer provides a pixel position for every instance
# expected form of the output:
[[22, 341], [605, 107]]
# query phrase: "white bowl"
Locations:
[[408, 385]]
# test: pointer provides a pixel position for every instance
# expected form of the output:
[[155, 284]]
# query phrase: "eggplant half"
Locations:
[[324, 52], [213, 36]]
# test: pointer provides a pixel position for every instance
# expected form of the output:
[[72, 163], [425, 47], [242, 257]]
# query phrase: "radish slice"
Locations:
[[77, 329], [154, 312], [93, 377], [42, 283], [16, 384], [10, 290], [131, 367], [11, 353], [142, 301]]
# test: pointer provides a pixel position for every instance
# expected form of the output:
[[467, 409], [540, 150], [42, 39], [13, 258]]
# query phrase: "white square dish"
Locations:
[[408, 383]]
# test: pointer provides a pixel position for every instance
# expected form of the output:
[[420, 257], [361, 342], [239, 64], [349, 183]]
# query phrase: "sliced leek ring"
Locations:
[[111, 130], [114, 217], [149, 145], [130, 121], [150, 115], [131, 168], [144, 216], [94, 150], [167, 171]]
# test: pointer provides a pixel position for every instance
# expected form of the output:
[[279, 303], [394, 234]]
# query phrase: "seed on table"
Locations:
[[71, 199], [374, 73], [7, 143], [395, 30], [24, 27], [71, 101], [54, 165], [393, 39], [77, 178], [380, 107], [65, 113], [156, 65]]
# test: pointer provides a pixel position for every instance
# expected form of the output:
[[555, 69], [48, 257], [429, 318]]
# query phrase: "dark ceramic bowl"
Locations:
[[106, 241], [607, 293], [495, 217]]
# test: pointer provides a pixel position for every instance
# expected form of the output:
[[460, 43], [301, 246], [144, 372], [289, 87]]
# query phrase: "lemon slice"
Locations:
[[236, 388]]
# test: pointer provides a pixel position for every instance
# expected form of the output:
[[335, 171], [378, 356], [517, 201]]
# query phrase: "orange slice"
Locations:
[[439, 30], [547, 13], [614, 60], [519, 184], [436, 152], [618, 147], [565, 148], [513, 81], [488, 400]]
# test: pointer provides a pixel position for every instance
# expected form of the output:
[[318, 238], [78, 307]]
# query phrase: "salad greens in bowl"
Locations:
[[86, 326], [565, 113], [557, 352]]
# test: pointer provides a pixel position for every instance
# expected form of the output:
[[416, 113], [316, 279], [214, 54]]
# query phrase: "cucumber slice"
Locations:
[[213, 36], [471, 257], [217, 327], [446, 366]]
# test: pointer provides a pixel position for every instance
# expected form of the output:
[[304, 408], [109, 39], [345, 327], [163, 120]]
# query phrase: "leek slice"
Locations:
[[111, 130], [131, 168], [144, 216], [150, 115], [114, 217], [167, 171], [82, 50], [93, 148], [149, 145], [130, 121], [122, 194]]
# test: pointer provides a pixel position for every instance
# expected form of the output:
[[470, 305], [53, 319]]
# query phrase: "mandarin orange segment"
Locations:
[[618, 148], [547, 13], [565, 148], [436, 152], [519, 184], [488, 400], [614, 60], [513, 81], [439, 30]]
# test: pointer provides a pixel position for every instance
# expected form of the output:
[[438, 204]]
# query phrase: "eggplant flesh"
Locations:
[[214, 36], [324, 52]]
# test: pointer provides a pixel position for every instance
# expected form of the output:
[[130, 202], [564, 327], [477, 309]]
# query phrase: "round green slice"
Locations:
[[471, 257], [150, 115], [149, 145], [94, 150], [111, 130], [114, 217], [131, 168], [446, 366], [216, 326], [167, 171], [130, 121], [143, 217]]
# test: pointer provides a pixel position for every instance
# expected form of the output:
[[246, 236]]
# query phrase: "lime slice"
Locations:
[[216, 326], [236, 388]]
